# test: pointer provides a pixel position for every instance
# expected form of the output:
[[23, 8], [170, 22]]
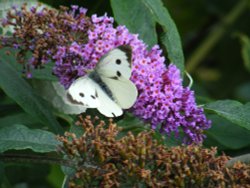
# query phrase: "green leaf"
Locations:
[[137, 18], [227, 134], [245, 50], [44, 73], [20, 118], [56, 176], [141, 16], [21, 92], [19, 137], [170, 38], [231, 110]]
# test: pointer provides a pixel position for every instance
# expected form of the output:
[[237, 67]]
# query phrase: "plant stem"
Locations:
[[36, 159], [216, 34]]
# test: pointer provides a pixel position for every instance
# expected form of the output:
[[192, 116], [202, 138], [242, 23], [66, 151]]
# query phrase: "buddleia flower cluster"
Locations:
[[76, 42], [104, 159], [41, 30]]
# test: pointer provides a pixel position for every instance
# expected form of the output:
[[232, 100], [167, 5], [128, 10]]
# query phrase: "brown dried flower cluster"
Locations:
[[41, 30], [103, 160]]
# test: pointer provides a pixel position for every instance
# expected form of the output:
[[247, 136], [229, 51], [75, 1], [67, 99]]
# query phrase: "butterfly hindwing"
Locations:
[[107, 106], [84, 91], [123, 90]]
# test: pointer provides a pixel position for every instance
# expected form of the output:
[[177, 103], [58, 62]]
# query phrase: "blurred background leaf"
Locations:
[[245, 50], [199, 21]]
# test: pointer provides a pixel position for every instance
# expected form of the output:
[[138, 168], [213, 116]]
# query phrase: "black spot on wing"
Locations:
[[92, 96], [113, 114], [118, 61], [118, 73], [81, 94], [96, 94]]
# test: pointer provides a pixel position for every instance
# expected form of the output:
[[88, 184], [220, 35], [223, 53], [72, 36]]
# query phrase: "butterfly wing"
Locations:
[[87, 92], [114, 69], [116, 62], [107, 106], [123, 90], [83, 91]]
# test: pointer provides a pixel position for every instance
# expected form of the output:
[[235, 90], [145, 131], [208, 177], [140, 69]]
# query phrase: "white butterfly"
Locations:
[[107, 87]]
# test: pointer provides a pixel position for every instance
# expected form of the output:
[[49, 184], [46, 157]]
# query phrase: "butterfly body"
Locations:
[[96, 78], [107, 87]]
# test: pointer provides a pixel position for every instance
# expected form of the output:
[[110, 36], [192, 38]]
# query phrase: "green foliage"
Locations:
[[20, 91], [29, 125], [231, 110], [44, 73], [139, 13], [245, 50], [227, 135], [19, 137], [144, 16], [19, 118]]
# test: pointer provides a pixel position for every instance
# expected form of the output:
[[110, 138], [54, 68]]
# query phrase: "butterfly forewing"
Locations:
[[116, 63]]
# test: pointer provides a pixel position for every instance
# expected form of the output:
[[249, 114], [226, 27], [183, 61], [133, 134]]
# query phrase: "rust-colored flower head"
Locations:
[[104, 160]]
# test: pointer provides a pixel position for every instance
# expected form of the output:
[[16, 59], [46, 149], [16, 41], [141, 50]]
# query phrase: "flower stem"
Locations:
[[216, 34], [36, 159]]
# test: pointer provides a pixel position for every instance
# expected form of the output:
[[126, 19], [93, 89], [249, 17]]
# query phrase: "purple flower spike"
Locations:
[[162, 100], [76, 43]]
